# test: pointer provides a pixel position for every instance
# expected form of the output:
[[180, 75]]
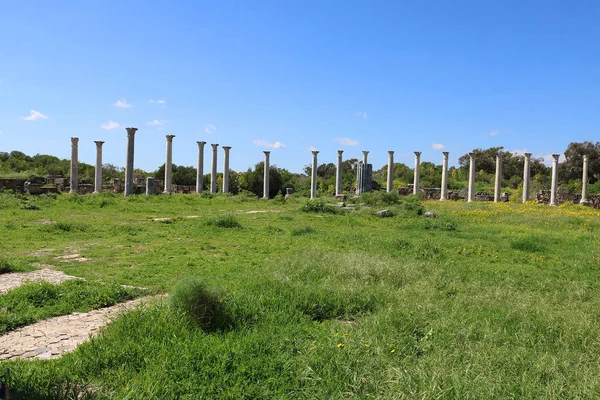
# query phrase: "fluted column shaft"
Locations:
[[313, 174], [417, 176], [584, 181], [213, 170], [200, 168], [169, 165], [526, 176], [390, 171], [498, 180], [98, 171], [338, 173], [267, 166], [444, 191], [554, 189], [129, 161], [471, 193], [74, 164], [226, 169]]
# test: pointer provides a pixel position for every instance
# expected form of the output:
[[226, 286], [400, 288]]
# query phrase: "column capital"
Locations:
[[527, 155], [418, 153], [445, 153], [214, 146], [315, 152], [99, 143], [391, 153], [266, 152], [585, 157], [365, 152], [555, 157], [340, 152], [498, 156], [201, 144], [472, 155], [226, 148], [74, 140], [170, 138], [131, 131]]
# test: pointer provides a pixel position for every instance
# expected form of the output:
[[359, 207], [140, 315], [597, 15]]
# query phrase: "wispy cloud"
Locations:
[[344, 141], [122, 103], [264, 143], [156, 122], [362, 115], [161, 102], [311, 148], [210, 129], [108, 125], [34, 116], [437, 146], [494, 132]]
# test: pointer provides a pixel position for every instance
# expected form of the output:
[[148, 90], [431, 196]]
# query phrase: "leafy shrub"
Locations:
[[30, 206], [319, 206], [199, 305], [302, 231], [224, 221]]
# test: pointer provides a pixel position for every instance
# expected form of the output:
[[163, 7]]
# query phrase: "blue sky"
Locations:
[[295, 75]]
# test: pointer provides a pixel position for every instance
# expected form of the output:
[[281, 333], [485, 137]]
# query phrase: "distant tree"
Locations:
[[572, 167], [252, 180]]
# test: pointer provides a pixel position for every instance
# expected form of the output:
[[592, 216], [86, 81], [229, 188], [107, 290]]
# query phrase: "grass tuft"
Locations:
[[224, 221], [319, 206]]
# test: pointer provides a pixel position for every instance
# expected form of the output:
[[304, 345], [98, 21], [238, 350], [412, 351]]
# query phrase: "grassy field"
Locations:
[[270, 301]]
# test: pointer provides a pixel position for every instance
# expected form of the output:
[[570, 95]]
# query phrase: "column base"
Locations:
[[585, 202], [95, 192]]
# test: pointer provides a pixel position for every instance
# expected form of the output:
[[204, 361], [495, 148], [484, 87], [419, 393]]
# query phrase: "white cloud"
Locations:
[[361, 115], [108, 125], [264, 143], [156, 122], [34, 116], [122, 103], [210, 129], [311, 148], [494, 132], [161, 102], [437, 146], [344, 141]]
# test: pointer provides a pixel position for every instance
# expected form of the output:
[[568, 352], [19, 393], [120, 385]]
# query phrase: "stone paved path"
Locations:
[[53, 337], [13, 280]]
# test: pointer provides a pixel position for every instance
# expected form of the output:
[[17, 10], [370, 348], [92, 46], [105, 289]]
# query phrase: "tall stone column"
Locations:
[[554, 189], [444, 191], [266, 175], [313, 175], [417, 172], [390, 172], [584, 181], [526, 176], [129, 161], [365, 154], [471, 194], [74, 164], [200, 169], [498, 180], [169, 166], [338, 173], [226, 169], [213, 170], [98, 175]]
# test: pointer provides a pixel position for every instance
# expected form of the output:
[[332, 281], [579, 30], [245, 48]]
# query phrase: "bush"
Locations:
[[224, 221], [319, 206], [199, 305]]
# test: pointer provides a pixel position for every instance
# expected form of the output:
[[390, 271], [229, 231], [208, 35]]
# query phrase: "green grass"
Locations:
[[36, 301], [483, 301]]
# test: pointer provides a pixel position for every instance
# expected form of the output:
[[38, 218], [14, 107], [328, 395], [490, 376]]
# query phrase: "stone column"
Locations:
[[365, 154], [526, 176], [200, 169], [338, 173], [390, 174], [471, 194], [98, 178], [129, 161], [226, 169], [313, 174], [149, 186], [498, 180], [213, 171], [266, 175], [74, 164], [554, 189], [444, 191], [169, 166], [584, 181], [417, 172]]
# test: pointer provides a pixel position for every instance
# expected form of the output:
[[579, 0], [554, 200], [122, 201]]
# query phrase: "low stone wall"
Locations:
[[16, 185], [436, 194], [563, 196]]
